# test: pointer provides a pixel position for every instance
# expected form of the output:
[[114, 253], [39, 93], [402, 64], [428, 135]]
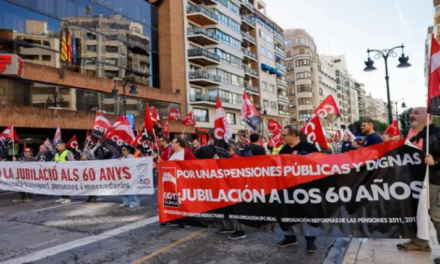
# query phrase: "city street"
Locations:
[[46, 232]]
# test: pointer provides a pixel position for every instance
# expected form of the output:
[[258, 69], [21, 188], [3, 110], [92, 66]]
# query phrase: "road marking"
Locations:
[[56, 206], [41, 244], [35, 256], [7, 193], [160, 250]]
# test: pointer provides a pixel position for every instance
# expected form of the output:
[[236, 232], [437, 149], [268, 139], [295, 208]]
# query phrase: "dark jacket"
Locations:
[[434, 150], [45, 156], [208, 152], [28, 159], [257, 150]]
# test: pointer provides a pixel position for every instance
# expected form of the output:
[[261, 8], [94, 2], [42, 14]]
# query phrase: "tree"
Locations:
[[355, 128], [405, 122]]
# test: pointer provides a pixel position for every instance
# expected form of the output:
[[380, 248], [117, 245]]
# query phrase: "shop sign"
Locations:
[[204, 130], [11, 64]]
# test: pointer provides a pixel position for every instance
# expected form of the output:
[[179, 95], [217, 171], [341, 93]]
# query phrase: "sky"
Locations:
[[350, 27]]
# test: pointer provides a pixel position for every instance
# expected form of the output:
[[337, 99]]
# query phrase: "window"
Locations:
[[111, 61], [273, 105], [272, 88], [321, 92], [305, 101], [305, 88], [91, 48], [230, 78], [46, 43], [336, 61], [225, 38], [45, 58], [228, 21], [264, 86], [227, 58], [111, 49], [289, 54], [266, 104], [262, 50], [233, 7], [231, 118], [201, 115], [269, 54], [299, 63], [305, 114], [91, 36], [303, 75], [300, 41], [291, 92]]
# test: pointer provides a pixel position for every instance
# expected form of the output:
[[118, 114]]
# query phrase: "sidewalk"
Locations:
[[384, 251]]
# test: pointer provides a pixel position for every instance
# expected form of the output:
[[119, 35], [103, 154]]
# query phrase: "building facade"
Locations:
[[112, 39], [227, 44], [376, 109]]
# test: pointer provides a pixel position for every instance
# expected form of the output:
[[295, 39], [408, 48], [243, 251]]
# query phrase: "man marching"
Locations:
[[63, 155], [417, 135]]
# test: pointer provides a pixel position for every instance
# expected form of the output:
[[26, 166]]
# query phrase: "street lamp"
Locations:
[[129, 79], [385, 54], [397, 111]]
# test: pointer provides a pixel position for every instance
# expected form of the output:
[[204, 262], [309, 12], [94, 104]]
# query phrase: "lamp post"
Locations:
[[385, 54], [397, 111], [129, 79]]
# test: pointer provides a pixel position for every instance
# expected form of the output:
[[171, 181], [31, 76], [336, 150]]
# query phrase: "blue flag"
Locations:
[[73, 47]]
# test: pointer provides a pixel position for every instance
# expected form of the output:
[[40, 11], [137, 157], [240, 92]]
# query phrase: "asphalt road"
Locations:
[[45, 232]]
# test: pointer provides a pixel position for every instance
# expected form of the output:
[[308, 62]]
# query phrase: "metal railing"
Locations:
[[202, 98], [283, 96], [204, 75], [248, 20], [250, 71], [201, 9], [251, 88], [247, 36], [248, 53], [203, 31], [248, 4], [277, 34], [284, 113], [280, 51], [204, 53], [281, 81], [281, 66]]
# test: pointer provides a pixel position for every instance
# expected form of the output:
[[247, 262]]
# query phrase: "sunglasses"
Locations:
[[124, 150]]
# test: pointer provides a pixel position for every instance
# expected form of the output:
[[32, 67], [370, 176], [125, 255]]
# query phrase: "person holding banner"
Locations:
[[28, 157], [44, 154], [63, 155], [295, 146], [417, 135], [129, 200], [347, 145]]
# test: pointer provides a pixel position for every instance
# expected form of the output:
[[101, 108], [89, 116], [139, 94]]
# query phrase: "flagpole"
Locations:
[[155, 140], [183, 132]]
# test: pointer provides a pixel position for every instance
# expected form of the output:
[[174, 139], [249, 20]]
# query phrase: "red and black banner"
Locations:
[[370, 192]]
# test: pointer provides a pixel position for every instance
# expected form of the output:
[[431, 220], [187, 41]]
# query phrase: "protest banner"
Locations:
[[370, 192], [101, 177]]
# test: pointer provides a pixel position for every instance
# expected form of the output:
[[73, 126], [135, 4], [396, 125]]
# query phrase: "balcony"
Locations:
[[280, 66], [293, 119], [248, 72], [203, 78], [291, 106], [283, 113], [278, 36], [206, 2], [203, 99], [202, 36], [247, 23], [248, 40], [201, 15], [247, 6], [283, 97], [249, 56], [280, 51], [251, 89], [203, 57], [281, 83], [289, 69]]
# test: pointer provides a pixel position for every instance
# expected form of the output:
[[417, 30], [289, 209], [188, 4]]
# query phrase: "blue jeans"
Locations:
[[130, 200]]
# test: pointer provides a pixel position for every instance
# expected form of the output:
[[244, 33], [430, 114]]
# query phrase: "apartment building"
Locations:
[[327, 86], [303, 63], [376, 109], [362, 99], [232, 46]]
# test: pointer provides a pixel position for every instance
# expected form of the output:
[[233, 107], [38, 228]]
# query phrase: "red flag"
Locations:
[[166, 130], [48, 145], [9, 135], [73, 143], [122, 135], [222, 128], [155, 117], [249, 113], [173, 114], [24, 146], [277, 140], [57, 138], [315, 134], [100, 125], [434, 78], [328, 110], [189, 121], [138, 140], [273, 125], [148, 122], [393, 129]]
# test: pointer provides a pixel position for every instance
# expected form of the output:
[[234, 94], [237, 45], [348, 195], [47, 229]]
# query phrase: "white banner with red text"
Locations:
[[100, 177]]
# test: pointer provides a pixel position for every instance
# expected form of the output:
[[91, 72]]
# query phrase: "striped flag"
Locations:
[[69, 46], [64, 56]]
